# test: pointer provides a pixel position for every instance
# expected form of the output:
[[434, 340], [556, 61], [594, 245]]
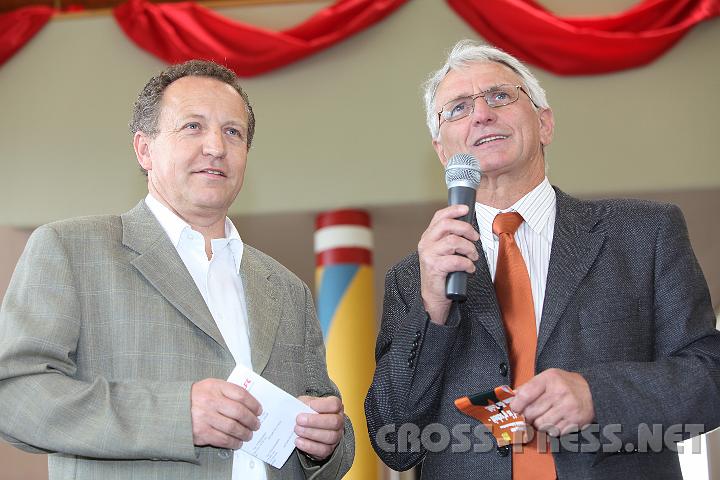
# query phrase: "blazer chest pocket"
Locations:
[[289, 353], [614, 332], [286, 368], [592, 316]]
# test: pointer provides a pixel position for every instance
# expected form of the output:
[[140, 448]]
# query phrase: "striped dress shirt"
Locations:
[[534, 237]]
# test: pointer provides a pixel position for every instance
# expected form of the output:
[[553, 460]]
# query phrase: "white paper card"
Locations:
[[275, 440]]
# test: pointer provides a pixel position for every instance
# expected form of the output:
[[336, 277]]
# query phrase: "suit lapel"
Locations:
[[160, 264], [263, 307], [574, 249], [482, 302]]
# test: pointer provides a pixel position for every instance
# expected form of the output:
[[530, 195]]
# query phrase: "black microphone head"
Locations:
[[462, 170]]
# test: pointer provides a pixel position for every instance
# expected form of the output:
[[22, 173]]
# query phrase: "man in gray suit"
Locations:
[[625, 359], [117, 332]]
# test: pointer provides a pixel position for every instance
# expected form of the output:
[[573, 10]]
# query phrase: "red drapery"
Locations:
[[183, 31], [579, 46], [567, 46], [19, 26]]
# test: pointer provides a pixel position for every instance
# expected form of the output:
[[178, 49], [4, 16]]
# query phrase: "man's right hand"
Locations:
[[445, 246], [223, 414]]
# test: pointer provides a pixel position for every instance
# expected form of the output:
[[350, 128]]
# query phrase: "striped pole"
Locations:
[[346, 310]]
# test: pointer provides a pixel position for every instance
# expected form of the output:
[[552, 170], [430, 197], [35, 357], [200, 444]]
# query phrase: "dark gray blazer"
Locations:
[[103, 332], [626, 305]]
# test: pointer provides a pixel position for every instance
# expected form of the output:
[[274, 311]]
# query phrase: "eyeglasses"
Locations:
[[495, 97]]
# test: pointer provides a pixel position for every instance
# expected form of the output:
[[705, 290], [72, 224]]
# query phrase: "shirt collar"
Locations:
[[235, 243], [534, 207], [174, 226]]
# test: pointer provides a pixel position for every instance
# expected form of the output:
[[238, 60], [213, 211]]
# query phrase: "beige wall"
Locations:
[[12, 241], [345, 126], [713, 442], [15, 464]]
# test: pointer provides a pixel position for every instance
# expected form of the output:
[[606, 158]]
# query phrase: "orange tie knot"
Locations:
[[506, 223]]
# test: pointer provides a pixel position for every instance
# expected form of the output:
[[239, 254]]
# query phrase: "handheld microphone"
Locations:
[[462, 176]]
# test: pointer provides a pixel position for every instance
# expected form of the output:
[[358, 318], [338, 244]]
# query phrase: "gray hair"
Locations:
[[466, 52], [146, 111]]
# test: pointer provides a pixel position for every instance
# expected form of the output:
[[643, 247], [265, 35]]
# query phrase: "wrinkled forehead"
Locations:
[[475, 77]]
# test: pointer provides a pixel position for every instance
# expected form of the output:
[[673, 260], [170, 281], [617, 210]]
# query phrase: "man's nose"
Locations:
[[214, 143], [482, 112]]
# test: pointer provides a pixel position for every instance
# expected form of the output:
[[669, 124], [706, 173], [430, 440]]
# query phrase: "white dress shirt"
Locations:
[[533, 237], [220, 284]]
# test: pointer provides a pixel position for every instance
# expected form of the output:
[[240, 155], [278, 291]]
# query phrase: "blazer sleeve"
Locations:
[[411, 355], [320, 385], [44, 406], [680, 389]]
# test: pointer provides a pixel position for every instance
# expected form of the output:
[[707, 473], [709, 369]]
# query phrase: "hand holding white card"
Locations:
[[275, 440]]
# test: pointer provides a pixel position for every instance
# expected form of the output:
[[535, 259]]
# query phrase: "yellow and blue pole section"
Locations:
[[346, 310]]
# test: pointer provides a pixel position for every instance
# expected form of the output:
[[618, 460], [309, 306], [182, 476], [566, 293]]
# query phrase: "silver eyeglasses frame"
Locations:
[[489, 102]]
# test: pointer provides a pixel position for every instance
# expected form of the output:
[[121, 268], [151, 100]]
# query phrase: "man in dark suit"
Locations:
[[595, 312], [118, 332]]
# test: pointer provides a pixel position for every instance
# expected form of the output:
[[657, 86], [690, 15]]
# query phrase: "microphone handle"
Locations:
[[456, 282]]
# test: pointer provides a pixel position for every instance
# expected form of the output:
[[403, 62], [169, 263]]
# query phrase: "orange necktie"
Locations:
[[514, 294]]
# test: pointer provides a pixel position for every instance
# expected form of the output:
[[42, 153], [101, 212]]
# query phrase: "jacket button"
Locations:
[[503, 451], [224, 454], [503, 369]]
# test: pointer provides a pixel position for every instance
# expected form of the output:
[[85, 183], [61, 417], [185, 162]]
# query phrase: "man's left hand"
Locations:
[[555, 401], [319, 433]]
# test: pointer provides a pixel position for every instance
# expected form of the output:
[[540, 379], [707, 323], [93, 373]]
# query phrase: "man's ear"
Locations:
[[141, 144], [547, 126], [440, 152]]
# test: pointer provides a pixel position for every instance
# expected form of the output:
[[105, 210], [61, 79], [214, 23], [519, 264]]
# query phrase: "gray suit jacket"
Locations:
[[626, 305], [103, 332]]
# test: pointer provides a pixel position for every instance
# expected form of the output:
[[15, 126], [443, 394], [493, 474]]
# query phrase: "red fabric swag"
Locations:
[[19, 26], [183, 31], [581, 46]]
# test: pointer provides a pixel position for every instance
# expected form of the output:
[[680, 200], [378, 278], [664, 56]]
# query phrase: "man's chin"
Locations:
[[211, 205], [493, 164]]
